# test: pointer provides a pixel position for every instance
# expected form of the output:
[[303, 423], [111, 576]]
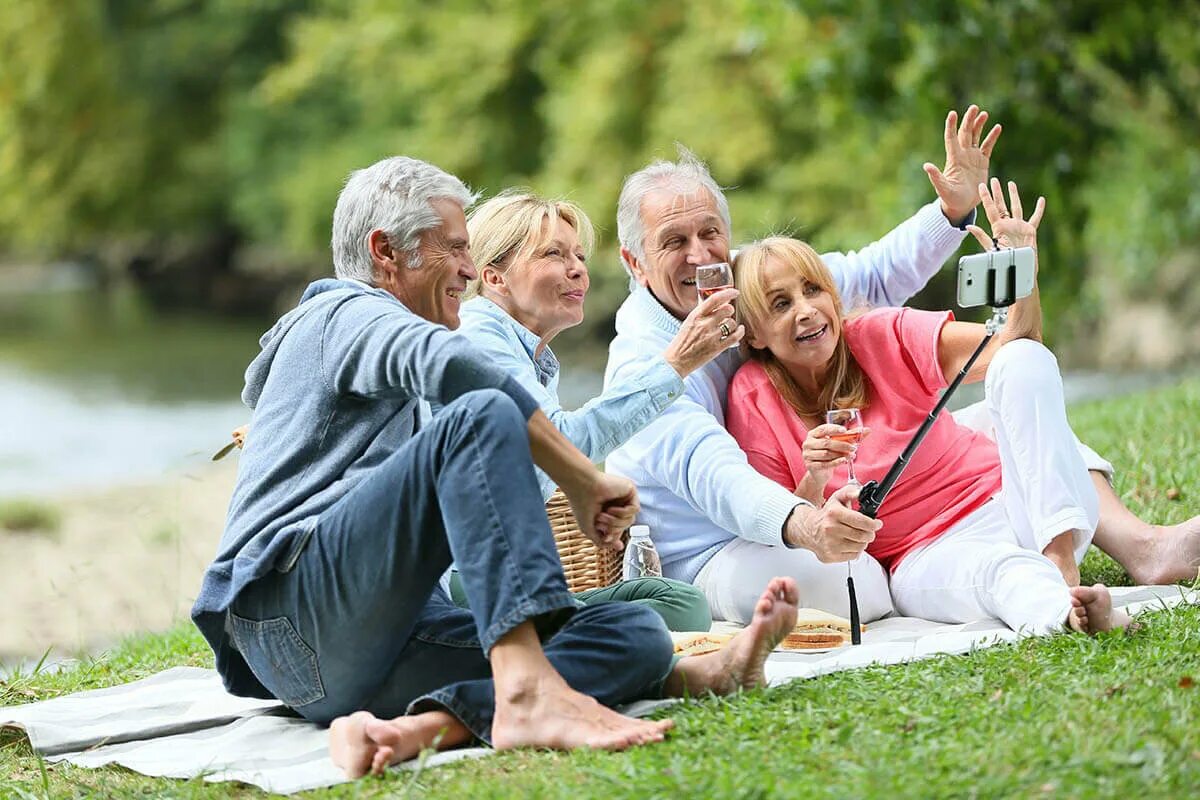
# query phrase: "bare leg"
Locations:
[[1092, 610], [536, 708], [1151, 554], [362, 743], [740, 663], [1061, 551]]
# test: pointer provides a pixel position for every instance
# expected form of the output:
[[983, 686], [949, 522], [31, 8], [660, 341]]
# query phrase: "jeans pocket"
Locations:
[[279, 658]]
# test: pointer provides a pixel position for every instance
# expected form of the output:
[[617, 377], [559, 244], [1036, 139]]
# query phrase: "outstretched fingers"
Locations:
[[1036, 218], [951, 129], [1014, 200], [968, 126], [989, 143], [985, 241], [977, 130]]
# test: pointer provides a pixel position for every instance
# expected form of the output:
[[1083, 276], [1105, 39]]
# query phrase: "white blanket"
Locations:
[[181, 723]]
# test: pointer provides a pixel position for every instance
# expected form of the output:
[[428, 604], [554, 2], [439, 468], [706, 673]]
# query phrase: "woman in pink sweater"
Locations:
[[975, 527]]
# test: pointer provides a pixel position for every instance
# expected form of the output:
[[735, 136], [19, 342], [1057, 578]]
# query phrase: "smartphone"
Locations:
[[996, 278]]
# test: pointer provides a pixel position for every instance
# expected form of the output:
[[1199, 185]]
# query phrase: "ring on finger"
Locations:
[[725, 332]]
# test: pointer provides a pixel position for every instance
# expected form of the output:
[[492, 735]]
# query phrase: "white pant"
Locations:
[[977, 417], [735, 577], [990, 564]]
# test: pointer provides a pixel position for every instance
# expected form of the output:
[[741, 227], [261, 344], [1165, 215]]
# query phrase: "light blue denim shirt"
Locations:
[[605, 422]]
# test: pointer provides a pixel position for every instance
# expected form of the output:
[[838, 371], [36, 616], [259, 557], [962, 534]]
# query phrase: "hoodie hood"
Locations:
[[319, 294]]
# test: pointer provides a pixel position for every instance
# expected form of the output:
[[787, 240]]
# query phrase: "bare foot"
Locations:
[[349, 746], [740, 663], [546, 712], [1173, 555], [1061, 551], [362, 743], [1092, 610]]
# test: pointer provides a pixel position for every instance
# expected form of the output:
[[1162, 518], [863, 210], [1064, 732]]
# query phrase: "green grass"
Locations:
[[29, 516], [1068, 716]]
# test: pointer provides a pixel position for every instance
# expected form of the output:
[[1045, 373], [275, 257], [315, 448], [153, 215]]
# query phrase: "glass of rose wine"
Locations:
[[851, 420], [712, 278]]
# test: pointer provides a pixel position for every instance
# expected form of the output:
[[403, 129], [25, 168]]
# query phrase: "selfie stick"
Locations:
[[873, 493]]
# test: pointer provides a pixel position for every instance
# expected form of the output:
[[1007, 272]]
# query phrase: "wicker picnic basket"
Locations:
[[585, 565]]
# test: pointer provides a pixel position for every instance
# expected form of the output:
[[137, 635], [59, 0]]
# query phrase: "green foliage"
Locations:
[[29, 516], [134, 120]]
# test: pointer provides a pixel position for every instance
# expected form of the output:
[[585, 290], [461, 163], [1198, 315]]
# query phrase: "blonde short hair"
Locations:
[[847, 385], [512, 225]]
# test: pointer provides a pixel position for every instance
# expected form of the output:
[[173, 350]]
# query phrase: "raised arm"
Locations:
[[893, 269], [958, 340]]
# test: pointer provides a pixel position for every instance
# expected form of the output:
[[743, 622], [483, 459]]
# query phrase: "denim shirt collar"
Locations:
[[546, 363]]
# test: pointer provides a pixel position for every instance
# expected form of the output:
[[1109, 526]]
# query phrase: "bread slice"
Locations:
[[814, 618], [702, 643], [817, 630]]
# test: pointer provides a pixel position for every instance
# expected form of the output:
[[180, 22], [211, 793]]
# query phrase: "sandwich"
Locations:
[[817, 630], [701, 643]]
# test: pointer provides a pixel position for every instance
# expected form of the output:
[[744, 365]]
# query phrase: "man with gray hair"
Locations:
[[716, 521], [349, 505], [351, 502]]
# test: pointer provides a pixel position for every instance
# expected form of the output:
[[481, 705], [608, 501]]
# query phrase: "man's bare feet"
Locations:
[[362, 743], [349, 746], [536, 708], [740, 663], [1092, 610], [1061, 551], [546, 712]]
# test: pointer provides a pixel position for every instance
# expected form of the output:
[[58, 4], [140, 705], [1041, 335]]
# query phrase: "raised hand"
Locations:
[[1008, 229], [707, 332], [967, 162]]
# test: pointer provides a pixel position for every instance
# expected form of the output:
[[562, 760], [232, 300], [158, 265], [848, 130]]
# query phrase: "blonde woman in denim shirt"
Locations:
[[533, 279]]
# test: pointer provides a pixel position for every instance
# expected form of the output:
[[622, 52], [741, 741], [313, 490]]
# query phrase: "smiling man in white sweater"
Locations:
[[716, 522]]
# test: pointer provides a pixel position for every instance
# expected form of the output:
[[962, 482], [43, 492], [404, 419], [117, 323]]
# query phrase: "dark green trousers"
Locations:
[[682, 606]]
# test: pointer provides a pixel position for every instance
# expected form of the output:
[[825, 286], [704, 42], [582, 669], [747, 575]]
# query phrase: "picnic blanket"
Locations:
[[181, 723]]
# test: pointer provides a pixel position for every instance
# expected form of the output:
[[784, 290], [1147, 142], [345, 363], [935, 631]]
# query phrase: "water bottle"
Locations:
[[641, 559]]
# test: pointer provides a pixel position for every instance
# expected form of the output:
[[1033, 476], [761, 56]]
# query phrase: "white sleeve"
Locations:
[[689, 453], [890, 271]]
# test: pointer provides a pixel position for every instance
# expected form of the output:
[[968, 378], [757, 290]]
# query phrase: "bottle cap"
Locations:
[[639, 532]]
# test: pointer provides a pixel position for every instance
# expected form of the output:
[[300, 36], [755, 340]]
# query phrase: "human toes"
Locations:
[[382, 760]]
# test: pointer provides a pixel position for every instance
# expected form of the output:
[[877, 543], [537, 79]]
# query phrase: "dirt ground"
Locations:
[[125, 560]]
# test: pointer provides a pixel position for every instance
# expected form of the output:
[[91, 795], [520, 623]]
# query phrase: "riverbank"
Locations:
[[123, 560]]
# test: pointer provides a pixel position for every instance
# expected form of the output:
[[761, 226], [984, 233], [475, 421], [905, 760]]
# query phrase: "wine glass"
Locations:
[[712, 278], [851, 420]]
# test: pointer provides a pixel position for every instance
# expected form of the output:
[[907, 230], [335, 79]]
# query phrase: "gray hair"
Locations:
[[685, 176], [392, 195]]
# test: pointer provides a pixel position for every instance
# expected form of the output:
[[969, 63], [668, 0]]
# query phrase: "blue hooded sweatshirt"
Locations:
[[334, 392]]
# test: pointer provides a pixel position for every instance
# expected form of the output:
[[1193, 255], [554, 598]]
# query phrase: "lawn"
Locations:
[[1068, 716]]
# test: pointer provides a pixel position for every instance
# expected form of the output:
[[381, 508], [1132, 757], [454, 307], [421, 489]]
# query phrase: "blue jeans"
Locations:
[[359, 622]]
